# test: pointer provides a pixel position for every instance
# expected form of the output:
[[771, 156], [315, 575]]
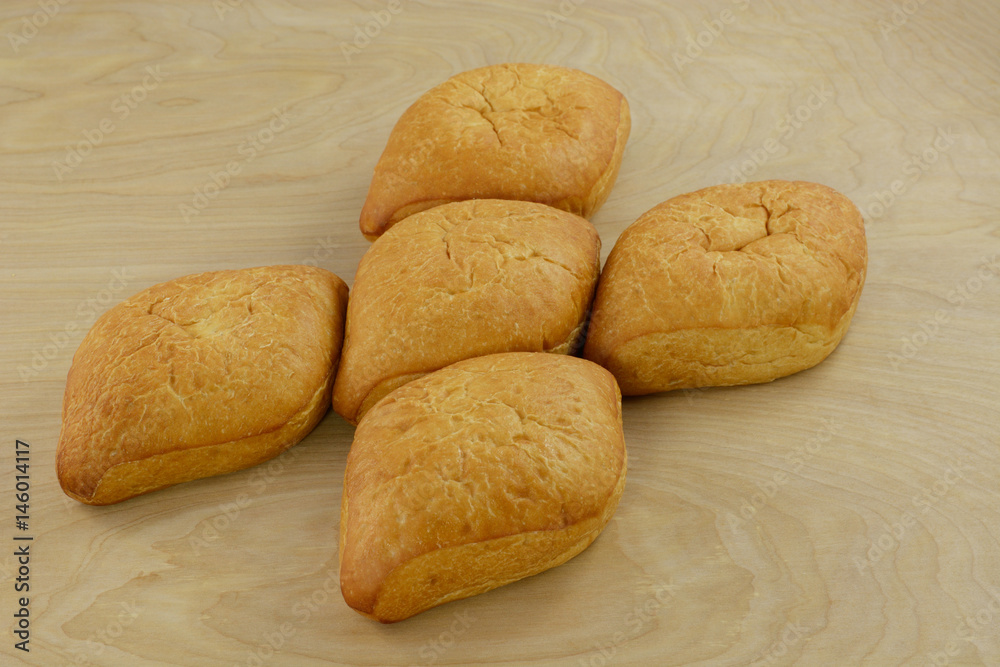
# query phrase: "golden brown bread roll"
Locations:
[[515, 131], [488, 471], [729, 285], [464, 280], [199, 376]]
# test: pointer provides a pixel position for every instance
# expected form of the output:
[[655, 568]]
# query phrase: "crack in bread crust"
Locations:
[[158, 471], [203, 361], [706, 278], [517, 454], [537, 133], [464, 280]]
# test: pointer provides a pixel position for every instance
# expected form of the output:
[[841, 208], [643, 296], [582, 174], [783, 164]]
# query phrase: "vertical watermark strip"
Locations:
[[22, 544]]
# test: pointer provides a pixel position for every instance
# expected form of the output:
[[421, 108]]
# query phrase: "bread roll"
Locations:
[[729, 285], [528, 132], [464, 280], [488, 471], [199, 376]]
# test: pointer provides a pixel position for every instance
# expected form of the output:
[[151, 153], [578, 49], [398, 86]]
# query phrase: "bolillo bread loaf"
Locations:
[[515, 131], [482, 473], [730, 285], [199, 376], [464, 280]]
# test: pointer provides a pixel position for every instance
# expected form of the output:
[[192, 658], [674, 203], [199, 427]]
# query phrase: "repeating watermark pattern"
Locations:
[[797, 460], [322, 251], [969, 630], [901, 13], [433, 649], [366, 33], [696, 45], [249, 149], [121, 108], [566, 9], [782, 132], [693, 393], [210, 530], [635, 621], [929, 329], [270, 643], [223, 7], [101, 640], [914, 167], [792, 634], [86, 313], [893, 535], [31, 25], [302, 610]]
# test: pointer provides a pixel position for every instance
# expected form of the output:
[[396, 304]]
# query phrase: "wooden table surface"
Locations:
[[847, 515]]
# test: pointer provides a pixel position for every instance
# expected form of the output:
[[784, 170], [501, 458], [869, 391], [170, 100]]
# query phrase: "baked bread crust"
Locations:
[[488, 471], [464, 280], [515, 131], [729, 285], [199, 376]]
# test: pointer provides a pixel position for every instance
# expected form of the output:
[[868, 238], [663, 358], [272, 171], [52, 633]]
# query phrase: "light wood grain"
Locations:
[[846, 515]]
